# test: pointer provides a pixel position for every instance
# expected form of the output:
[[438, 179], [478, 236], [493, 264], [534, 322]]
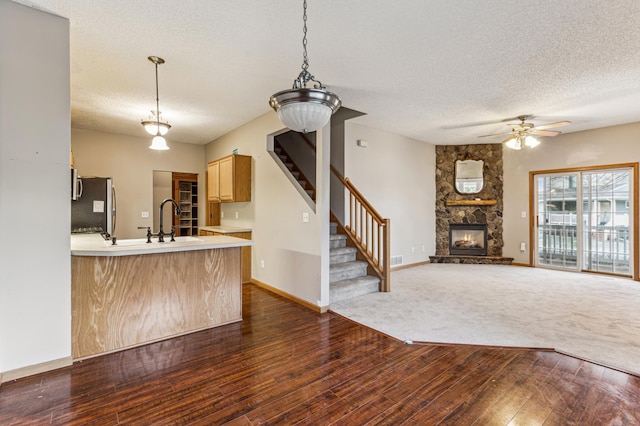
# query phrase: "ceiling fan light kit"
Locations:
[[305, 109], [154, 125], [521, 134]]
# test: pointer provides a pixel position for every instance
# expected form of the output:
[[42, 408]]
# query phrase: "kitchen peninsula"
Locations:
[[133, 293]]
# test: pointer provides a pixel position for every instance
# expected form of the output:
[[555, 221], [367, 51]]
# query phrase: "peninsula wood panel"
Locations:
[[246, 251], [124, 301]]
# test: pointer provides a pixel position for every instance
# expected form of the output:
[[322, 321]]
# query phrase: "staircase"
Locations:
[[295, 172], [348, 276]]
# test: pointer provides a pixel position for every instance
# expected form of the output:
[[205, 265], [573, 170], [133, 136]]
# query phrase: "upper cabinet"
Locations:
[[229, 179], [213, 181]]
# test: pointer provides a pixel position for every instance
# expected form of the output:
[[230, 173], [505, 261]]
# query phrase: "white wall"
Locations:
[[291, 249], [130, 162], [397, 175], [606, 146], [162, 189], [35, 288]]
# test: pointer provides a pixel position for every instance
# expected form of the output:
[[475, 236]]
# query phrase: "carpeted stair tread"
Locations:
[[342, 255], [337, 240], [342, 250], [354, 287], [347, 270], [333, 227]]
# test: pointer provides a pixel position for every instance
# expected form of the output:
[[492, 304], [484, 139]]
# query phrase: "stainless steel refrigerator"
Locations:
[[94, 208]]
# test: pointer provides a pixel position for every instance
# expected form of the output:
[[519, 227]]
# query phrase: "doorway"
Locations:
[[584, 220]]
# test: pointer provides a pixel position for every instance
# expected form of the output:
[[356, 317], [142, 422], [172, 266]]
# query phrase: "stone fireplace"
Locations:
[[483, 208]]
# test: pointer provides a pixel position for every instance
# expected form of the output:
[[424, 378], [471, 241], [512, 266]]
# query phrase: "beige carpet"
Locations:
[[593, 317]]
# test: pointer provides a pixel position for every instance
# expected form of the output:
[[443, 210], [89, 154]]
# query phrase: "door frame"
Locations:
[[636, 222]]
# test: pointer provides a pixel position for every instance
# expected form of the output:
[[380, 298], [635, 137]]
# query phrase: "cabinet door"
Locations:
[[213, 181], [226, 179]]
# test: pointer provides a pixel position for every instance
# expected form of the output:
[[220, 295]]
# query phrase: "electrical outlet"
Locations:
[[305, 217], [236, 215], [524, 213], [221, 215], [262, 263], [413, 249], [145, 214], [424, 248]]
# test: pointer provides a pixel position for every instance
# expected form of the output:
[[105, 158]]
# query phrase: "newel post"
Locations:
[[385, 283]]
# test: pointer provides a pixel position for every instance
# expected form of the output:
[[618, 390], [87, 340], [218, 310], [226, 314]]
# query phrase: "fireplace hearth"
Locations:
[[468, 239]]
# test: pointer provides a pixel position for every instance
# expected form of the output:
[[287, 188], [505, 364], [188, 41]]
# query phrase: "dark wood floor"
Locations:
[[285, 364]]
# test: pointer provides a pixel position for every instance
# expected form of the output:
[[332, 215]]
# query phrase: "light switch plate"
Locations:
[[145, 214], [305, 216]]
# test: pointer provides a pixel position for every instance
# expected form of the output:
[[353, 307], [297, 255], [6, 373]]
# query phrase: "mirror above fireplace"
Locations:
[[468, 176]]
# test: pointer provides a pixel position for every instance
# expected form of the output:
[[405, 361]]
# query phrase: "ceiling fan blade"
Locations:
[[509, 138], [495, 134], [537, 131], [550, 125]]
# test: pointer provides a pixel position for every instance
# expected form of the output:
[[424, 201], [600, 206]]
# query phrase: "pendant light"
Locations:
[[154, 125], [305, 109]]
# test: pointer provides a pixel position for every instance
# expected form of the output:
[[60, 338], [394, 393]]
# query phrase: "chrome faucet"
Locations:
[[161, 232]]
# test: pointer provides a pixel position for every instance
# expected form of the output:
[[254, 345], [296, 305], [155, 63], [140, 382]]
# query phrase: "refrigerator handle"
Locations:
[[80, 188], [113, 210]]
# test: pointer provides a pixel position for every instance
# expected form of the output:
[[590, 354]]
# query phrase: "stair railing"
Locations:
[[369, 231]]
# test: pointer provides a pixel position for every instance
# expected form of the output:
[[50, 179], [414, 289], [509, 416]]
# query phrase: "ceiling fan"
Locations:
[[521, 134]]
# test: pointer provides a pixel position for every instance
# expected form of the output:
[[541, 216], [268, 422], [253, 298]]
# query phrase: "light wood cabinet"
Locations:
[[246, 251], [229, 179], [213, 181]]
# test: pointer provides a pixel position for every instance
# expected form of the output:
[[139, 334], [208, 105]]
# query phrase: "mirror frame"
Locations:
[[469, 167]]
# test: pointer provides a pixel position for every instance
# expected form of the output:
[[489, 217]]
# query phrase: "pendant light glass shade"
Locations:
[[158, 143], [305, 109]]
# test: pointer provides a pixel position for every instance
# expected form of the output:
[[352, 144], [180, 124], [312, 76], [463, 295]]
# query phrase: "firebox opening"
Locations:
[[468, 239]]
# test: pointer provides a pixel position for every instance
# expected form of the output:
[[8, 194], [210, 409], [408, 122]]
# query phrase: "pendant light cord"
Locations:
[[157, 101], [305, 59]]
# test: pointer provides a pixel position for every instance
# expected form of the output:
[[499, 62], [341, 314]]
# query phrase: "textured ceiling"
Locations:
[[438, 71]]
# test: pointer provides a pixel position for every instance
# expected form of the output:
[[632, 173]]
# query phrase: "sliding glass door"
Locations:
[[557, 233], [606, 198], [584, 220]]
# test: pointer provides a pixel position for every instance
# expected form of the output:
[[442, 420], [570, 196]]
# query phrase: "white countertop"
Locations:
[[224, 229], [95, 245]]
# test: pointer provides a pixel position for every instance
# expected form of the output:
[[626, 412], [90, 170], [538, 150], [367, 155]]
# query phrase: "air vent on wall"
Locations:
[[396, 260]]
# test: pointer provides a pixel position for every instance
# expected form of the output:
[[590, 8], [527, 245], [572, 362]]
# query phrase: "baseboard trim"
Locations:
[[30, 370], [306, 304], [410, 265], [526, 265]]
